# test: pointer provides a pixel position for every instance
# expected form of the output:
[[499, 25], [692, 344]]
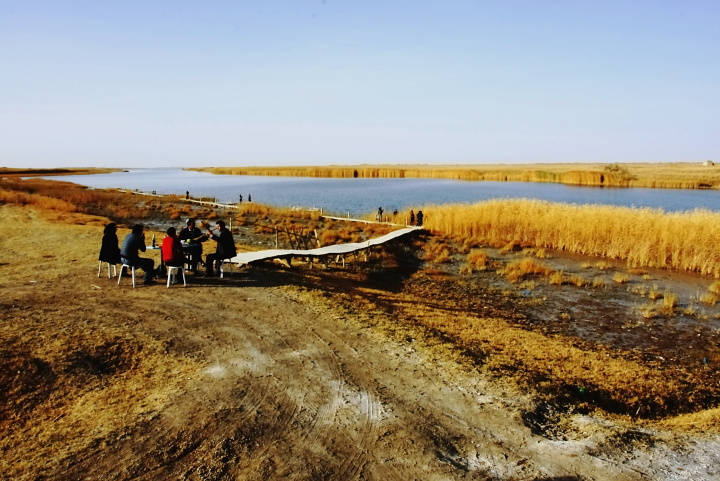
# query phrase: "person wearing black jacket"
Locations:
[[109, 250], [225, 247], [194, 239]]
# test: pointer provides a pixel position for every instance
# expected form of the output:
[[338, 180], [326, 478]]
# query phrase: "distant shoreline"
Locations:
[[9, 171], [680, 175]]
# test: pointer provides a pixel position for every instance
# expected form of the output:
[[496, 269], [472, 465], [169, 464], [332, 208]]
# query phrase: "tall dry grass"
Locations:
[[683, 175], [642, 237]]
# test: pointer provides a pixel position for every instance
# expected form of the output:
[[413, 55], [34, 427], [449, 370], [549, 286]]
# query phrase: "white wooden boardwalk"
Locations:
[[245, 258]]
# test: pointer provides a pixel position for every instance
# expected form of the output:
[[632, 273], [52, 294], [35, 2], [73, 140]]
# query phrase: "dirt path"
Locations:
[[257, 377]]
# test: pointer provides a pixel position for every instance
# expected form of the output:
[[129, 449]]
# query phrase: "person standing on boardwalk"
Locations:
[[412, 217], [225, 247], [379, 214], [249, 198], [133, 244], [420, 218], [187, 194], [240, 198]]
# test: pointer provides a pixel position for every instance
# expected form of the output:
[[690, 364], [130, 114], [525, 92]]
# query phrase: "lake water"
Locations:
[[360, 196]]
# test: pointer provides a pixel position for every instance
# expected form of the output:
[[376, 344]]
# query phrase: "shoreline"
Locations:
[[679, 175], [22, 172]]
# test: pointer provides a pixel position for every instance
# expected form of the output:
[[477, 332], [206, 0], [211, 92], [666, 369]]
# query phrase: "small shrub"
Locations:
[[709, 298], [654, 293], [669, 301], [556, 278], [620, 278], [522, 268], [478, 260], [649, 312]]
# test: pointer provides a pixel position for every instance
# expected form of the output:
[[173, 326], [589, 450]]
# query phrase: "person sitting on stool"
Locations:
[[134, 242], [172, 251], [195, 238], [225, 247]]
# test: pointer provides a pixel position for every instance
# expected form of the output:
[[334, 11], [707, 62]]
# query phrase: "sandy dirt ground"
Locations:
[[264, 375]]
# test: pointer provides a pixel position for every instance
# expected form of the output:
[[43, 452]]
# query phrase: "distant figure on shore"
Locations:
[[395, 212], [109, 250], [420, 218], [225, 247], [133, 244], [249, 198], [240, 198], [412, 217], [379, 214], [187, 195]]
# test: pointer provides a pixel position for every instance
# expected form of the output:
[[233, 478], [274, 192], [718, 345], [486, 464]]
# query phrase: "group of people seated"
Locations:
[[177, 250]]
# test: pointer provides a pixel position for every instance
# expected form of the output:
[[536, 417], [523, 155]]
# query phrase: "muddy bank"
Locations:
[[323, 373]]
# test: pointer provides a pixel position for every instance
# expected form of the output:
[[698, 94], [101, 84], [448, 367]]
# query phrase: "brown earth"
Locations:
[[303, 374]]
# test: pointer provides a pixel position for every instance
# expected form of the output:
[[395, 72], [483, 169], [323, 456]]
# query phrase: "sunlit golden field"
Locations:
[[684, 241], [679, 175]]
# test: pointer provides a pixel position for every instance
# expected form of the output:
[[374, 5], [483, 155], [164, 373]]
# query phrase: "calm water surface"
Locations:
[[360, 196]]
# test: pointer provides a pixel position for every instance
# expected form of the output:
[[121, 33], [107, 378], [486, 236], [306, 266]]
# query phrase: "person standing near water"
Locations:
[[412, 217], [240, 198], [249, 198], [420, 218], [379, 214], [187, 194]]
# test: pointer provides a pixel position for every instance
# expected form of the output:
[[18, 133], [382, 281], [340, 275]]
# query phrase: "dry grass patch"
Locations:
[[654, 293], [519, 269], [620, 278], [477, 260], [714, 288], [556, 278], [709, 298]]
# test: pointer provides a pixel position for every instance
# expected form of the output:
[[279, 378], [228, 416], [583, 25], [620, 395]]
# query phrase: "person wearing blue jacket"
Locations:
[[133, 244]]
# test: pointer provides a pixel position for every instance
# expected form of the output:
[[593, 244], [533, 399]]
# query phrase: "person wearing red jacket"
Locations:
[[172, 252]]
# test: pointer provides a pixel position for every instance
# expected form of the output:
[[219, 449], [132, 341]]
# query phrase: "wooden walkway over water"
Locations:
[[338, 251]]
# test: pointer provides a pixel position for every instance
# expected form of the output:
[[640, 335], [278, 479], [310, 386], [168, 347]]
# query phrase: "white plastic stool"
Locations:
[[222, 269], [100, 263], [170, 270], [129, 268]]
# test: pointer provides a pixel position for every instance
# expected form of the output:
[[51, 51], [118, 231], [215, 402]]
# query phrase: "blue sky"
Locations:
[[319, 82]]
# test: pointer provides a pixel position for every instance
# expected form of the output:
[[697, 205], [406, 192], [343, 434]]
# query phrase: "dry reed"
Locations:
[[641, 237]]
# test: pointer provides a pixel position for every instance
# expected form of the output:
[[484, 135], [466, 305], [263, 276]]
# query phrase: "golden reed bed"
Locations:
[[643, 237], [682, 175]]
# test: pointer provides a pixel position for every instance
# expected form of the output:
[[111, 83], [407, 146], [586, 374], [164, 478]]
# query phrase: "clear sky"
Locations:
[[178, 83]]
